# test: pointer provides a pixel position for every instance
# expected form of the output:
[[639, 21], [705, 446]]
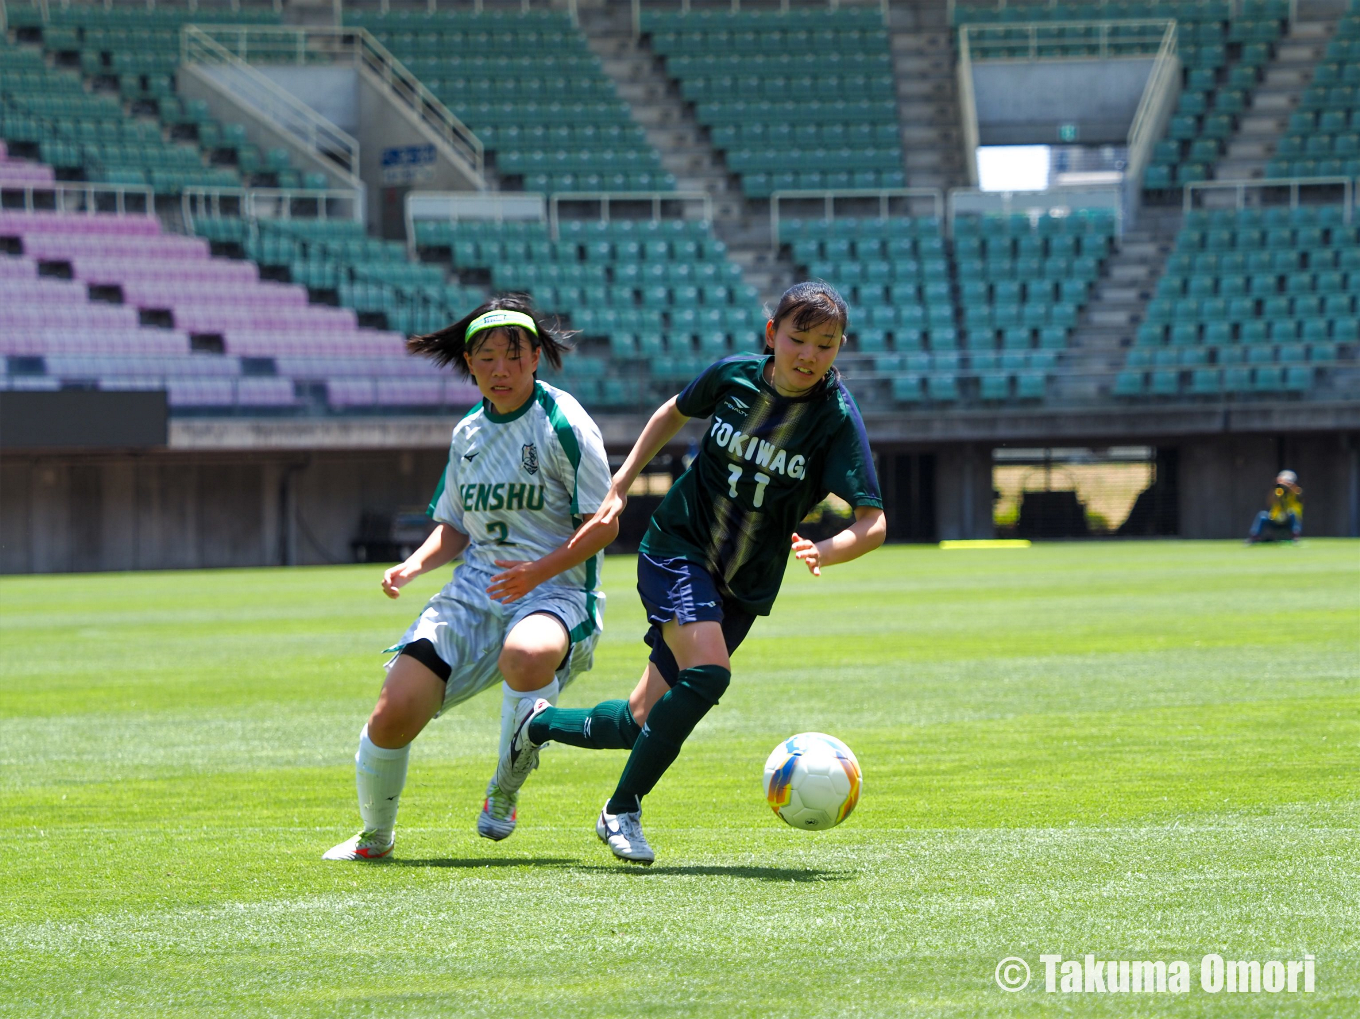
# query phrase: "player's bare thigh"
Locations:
[[533, 650], [410, 697]]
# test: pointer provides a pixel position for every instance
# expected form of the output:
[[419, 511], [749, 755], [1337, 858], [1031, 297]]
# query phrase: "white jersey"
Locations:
[[519, 485]]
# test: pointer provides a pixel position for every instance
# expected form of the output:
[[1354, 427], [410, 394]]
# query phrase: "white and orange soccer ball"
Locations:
[[812, 781]]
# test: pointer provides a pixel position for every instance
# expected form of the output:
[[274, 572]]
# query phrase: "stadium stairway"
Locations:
[[1118, 303], [686, 152], [1277, 95], [927, 99]]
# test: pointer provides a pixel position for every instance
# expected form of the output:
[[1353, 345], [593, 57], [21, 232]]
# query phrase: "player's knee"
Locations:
[[709, 682], [534, 666]]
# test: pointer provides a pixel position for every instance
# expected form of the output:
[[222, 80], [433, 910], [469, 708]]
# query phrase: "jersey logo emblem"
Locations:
[[529, 458], [736, 404], [468, 456]]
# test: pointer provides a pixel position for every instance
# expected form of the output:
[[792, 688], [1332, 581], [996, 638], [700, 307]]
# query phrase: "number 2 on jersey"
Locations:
[[761, 480], [499, 530]]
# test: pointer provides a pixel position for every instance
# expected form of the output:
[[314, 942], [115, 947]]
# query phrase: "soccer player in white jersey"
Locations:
[[526, 467]]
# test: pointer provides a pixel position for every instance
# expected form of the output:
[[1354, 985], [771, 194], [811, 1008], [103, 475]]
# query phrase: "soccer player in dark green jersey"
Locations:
[[783, 432]]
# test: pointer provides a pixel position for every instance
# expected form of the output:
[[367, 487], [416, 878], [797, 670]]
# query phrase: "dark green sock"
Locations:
[[671, 721], [607, 726]]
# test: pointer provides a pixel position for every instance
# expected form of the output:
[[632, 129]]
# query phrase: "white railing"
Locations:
[[1061, 201], [280, 44], [683, 7], [884, 196], [1234, 6], [199, 45], [1154, 110], [963, 71], [270, 203], [455, 206], [606, 198], [74, 197], [1048, 35], [477, 7], [1294, 184]]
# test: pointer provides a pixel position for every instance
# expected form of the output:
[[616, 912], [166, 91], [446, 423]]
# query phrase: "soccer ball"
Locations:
[[812, 781]]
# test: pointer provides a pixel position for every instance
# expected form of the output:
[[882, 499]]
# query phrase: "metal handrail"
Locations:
[[605, 198], [490, 201], [784, 8], [1234, 6], [1293, 183], [1044, 200], [194, 200], [963, 72], [120, 193], [199, 45], [1036, 28], [294, 45], [432, 7], [829, 196], [1154, 109]]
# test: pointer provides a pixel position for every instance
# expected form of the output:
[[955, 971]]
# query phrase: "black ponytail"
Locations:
[[448, 345]]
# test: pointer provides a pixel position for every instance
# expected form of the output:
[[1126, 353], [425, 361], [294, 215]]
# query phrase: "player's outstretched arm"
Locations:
[[440, 548], [520, 577], [863, 536], [663, 426]]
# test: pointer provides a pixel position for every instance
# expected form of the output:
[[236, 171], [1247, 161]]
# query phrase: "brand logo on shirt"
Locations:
[[737, 404], [529, 458], [468, 456], [763, 454]]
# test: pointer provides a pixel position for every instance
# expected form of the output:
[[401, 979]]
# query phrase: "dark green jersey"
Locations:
[[764, 462]]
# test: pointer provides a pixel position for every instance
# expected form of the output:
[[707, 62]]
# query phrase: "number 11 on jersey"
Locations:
[[761, 480]]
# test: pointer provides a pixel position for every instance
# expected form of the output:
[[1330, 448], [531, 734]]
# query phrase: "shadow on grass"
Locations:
[[525, 861], [800, 875]]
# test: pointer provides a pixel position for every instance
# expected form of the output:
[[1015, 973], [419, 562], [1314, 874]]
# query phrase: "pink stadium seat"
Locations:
[[265, 392], [350, 392], [201, 392]]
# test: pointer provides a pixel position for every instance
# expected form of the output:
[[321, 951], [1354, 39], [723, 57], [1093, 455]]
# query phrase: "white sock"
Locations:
[[509, 698], [381, 776]]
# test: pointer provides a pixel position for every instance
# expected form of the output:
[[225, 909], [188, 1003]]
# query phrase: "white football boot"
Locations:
[[521, 756], [622, 833], [498, 816], [370, 844]]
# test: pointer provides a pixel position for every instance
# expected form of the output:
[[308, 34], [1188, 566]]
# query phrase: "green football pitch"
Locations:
[[1142, 751]]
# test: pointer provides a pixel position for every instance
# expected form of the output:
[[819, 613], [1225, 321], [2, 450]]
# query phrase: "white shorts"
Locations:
[[468, 630]]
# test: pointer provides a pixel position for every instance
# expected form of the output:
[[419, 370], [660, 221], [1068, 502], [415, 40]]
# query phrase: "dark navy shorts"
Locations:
[[686, 592]]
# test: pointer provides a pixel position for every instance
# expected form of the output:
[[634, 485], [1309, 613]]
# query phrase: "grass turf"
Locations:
[[1142, 751]]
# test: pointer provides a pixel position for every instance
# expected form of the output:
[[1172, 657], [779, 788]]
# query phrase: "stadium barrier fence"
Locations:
[[884, 197], [784, 6], [270, 203], [1111, 39], [1058, 200], [1295, 185], [655, 199], [455, 206], [476, 6], [85, 198]]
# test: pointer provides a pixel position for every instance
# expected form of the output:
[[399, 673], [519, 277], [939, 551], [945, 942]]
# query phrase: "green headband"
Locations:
[[497, 319]]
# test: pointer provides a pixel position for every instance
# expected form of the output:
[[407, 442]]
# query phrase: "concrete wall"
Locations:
[[332, 91], [963, 492], [388, 123], [172, 510], [1017, 103]]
